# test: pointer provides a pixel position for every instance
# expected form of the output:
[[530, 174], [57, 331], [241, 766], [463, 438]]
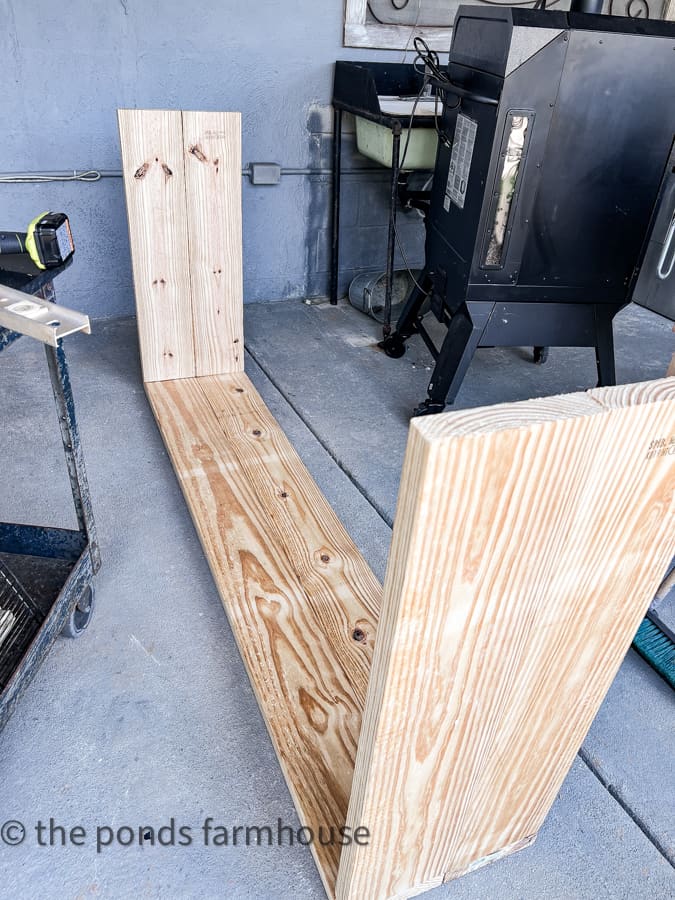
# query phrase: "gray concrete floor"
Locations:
[[150, 715]]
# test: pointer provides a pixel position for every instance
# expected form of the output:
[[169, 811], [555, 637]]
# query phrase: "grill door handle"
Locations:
[[462, 92], [662, 273]]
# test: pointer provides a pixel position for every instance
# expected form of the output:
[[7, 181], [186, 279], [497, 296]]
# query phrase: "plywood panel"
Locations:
[[212, 143], [154, 183], [529, 540], [295, 588]]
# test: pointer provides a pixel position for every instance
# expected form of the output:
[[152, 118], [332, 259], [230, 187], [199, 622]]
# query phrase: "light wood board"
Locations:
[[293, 584], [529, 540], [154, 183], [212, 143], [182, 177]]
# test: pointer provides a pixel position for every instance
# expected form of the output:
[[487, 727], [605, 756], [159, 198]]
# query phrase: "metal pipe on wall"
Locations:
[[93, 175]]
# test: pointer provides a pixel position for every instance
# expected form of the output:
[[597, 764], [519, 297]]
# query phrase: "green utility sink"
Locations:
[[375, 142]]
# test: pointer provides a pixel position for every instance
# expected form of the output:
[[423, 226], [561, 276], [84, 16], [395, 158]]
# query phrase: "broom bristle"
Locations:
[[657, 649]]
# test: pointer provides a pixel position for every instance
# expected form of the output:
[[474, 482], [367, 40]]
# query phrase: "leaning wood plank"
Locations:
[[529, 540], [154, 182], [294, 586], [212, 144]]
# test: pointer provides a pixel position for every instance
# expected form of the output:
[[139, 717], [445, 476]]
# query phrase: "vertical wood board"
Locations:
[[182, 176], [212, 144], [529, 540], [154, 184]]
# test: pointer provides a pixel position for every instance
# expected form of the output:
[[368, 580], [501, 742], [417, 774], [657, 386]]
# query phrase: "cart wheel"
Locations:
[[393, 346], [81, 614]]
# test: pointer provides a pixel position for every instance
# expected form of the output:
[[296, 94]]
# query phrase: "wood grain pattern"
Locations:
[[212, 143], [293, 584], [154, 183], [182, 177], [529, 540]]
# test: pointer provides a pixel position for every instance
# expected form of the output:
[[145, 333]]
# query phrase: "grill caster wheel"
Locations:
[[81, 615], [393, 346], [428, 408], [540, 355]]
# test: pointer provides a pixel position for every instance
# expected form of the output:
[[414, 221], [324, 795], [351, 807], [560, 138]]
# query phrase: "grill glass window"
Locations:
[[506, 187]]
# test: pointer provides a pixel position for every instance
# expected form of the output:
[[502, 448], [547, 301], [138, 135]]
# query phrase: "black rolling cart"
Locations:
[[46, 574]]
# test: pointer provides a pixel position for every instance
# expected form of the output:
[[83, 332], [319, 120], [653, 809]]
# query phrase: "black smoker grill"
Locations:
[[556, 132]]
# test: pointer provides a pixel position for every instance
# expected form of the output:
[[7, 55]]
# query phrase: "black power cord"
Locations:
[[431, 63], [428, 64]]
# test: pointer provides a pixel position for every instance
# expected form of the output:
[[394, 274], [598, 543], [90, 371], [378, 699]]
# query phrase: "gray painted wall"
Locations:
[[70, 65]]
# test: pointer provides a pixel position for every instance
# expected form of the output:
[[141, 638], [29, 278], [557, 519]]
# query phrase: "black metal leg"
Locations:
[[453, 361], [407, 321], [464, 362], [604, 348], [335, 236], [65, 407], [391, 240], [394, 344]]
